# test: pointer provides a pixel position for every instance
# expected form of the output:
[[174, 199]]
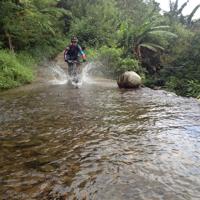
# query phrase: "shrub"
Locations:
[[110, 58], [113, 64], [14, 70], [91, 54], [129, 64], [193, 88], [48, 51]]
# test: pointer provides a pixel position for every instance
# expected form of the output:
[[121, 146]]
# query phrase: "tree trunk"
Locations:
[[17, 2], [137, 52], [11, 47]]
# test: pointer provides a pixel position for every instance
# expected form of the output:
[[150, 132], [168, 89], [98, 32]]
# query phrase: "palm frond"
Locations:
[[159, 28], [182, 7], [163, 33], [149, 47], [157, 46], [143, 31], [171, 6], [152, 47], [189, 20], [176, 5]]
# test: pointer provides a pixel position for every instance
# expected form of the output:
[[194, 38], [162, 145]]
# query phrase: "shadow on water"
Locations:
[[98, 142]]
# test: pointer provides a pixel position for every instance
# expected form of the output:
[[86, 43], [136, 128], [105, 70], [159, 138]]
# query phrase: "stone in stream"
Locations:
[[129, 79]]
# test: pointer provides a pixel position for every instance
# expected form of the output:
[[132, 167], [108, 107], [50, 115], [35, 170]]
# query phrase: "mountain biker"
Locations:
[[72, 54]]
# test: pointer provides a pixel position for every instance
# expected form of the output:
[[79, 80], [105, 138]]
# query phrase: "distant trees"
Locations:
[[29, 31], [181, 65], [132, 32], [175, 13], [27, 24]]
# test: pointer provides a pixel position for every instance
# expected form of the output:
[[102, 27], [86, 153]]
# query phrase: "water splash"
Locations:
[[59, 76], [90, 71], [86, 72]]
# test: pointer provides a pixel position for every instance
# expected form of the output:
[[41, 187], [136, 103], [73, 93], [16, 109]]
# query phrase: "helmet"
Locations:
[[74, 39]]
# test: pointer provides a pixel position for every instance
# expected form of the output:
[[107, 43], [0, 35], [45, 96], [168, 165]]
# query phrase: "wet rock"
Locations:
[[52, 190], [47, 168], [129, 79]]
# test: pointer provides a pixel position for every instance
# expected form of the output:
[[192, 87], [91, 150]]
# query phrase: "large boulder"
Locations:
[[129, 80]]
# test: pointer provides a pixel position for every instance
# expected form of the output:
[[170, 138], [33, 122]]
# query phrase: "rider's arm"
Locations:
[[82, 53], [65, 53]]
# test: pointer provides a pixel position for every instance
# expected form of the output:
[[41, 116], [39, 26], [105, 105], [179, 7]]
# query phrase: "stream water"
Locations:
[[98, 143]]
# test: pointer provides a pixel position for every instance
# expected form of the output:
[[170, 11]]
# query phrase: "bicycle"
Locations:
[[74, 72]]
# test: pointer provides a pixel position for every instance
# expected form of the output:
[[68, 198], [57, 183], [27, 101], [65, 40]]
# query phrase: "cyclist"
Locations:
[[72, 54]]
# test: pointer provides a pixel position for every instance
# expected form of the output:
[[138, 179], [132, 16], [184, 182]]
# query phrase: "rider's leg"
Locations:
[[70, 68], [78, 67]]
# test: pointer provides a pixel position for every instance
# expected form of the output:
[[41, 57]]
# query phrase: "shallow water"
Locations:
[[98, 142]]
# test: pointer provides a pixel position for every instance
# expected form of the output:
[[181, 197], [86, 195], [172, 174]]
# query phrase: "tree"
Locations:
[[100, 25], [144, 38], [175, 13], [25, 24]]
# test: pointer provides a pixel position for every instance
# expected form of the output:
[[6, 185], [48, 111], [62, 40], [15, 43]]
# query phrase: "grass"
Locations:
[[15, 70]]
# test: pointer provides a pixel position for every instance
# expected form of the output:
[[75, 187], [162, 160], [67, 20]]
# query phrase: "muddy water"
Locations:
[[98, 143]]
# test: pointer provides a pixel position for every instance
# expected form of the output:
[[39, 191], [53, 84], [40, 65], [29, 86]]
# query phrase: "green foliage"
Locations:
[[122, 35], [114, 64], [193, 88], [183, 64], [150, 36], [98, 27], [147, 41], [25, 59], [30, 24], [129, 64], [110, 59], [110, 56], [179, 46], [15, 70], [33, 27], [175, 14], [45, 51], [176, 85], [184, 87], [91, 53]]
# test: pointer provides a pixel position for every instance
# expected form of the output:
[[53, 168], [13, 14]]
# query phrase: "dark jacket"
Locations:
[[73, 52]]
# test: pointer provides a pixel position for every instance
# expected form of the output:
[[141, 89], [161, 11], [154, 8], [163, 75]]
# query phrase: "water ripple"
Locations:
[[99, 143]]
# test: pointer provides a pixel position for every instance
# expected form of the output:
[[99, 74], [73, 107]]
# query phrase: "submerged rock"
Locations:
[[129, 79]]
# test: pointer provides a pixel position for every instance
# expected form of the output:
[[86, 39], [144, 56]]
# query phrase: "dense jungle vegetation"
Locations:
[[123, 34]]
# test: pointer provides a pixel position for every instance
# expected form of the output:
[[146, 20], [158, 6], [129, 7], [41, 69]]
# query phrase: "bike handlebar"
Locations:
[[74, 61]]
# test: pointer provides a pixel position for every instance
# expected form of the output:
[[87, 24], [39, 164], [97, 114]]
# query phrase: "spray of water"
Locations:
[[86, 76], [59, 76]]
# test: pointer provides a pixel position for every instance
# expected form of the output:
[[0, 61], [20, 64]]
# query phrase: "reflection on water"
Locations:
[[99, 143]]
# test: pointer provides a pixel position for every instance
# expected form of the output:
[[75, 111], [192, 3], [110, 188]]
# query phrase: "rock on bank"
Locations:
[[129, 79]]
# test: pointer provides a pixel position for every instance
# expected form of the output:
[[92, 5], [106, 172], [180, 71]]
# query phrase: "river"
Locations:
[[98, 143]]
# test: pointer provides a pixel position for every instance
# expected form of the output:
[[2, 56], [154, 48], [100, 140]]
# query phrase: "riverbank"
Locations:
[[23, 69], [16, 69], [56, 138], [25, 73]]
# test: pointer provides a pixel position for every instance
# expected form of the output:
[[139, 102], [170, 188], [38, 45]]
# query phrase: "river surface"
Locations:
[[98, 143]]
